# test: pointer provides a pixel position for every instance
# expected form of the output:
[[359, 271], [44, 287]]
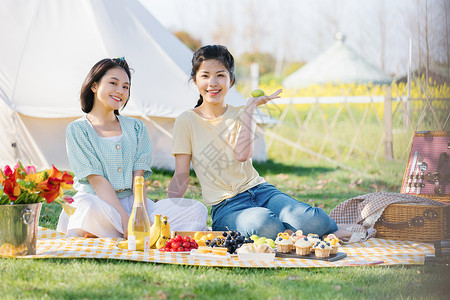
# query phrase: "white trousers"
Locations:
[[96, 216]]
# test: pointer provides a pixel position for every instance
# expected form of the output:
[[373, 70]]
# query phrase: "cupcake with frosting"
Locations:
[[297, 235], [284, 243], [334, 243], [322, 249], [303, 246], [313, 239]]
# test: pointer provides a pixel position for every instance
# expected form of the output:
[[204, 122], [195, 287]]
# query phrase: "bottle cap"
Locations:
[[139, 180]]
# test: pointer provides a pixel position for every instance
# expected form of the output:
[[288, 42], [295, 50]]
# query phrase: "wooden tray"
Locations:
[[332, 257]]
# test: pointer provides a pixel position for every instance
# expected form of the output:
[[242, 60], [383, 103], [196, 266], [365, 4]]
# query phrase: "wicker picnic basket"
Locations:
[[414, 222], [427, 175]]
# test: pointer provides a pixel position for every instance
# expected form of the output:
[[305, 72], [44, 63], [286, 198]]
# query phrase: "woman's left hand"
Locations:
[[264, 99]]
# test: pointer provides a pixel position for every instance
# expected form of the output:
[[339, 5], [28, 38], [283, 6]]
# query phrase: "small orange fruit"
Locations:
[[198, 235]]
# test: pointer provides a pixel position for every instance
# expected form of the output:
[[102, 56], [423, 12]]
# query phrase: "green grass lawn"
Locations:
[[320, 184]]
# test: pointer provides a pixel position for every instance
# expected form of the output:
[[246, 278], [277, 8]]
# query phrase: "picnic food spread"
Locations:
[[223, 245]]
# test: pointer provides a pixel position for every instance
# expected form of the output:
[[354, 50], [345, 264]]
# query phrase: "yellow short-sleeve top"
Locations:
[[210, 142]]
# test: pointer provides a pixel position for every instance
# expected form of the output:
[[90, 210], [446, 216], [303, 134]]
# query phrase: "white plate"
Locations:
[[196, 255], [268, 257]]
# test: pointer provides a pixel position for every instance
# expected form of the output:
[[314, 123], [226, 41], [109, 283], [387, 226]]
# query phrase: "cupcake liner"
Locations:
[[303, 250], [284, 248], [323, 253]]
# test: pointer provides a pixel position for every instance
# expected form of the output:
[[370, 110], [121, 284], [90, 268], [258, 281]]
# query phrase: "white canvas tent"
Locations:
[[339, 64], [47, 48]]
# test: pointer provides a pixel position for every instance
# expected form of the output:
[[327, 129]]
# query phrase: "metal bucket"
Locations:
[[18, 229]]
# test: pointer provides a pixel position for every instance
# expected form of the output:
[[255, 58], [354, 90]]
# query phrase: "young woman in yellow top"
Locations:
[[218, 140]]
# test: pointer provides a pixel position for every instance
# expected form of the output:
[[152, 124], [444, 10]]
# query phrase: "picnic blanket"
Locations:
[[52, 244]]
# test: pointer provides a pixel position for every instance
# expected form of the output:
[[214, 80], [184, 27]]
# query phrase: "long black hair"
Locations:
[[95, 75], [217, 52]]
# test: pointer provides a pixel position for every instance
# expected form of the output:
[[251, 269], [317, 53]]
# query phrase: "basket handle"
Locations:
[[414, 222]]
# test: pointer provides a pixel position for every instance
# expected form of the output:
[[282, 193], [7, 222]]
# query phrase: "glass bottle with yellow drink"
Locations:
[[139, 223]]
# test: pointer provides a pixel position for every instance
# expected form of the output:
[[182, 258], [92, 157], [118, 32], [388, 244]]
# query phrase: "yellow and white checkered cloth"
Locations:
[[51, 244]]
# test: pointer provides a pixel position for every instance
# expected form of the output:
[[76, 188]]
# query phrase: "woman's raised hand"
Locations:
[[264, 99]]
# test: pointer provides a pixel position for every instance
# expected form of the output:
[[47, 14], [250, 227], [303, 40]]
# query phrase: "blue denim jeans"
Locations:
[[265, 211]]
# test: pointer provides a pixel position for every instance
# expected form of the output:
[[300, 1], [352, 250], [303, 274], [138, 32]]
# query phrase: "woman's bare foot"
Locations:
[[342, 233], [90, 235]]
